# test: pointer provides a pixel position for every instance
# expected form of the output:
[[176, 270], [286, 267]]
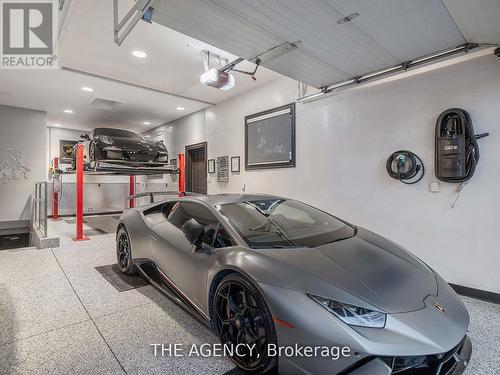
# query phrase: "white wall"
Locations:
[[342, 145], [175, 135], [23, 130]]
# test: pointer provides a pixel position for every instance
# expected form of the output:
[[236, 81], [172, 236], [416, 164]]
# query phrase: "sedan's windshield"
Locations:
[[116, 133], [276, 223]]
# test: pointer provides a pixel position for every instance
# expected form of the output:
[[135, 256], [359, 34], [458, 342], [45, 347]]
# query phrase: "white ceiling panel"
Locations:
[[173, 63], [405, 28], [54, 91], [479, 20]]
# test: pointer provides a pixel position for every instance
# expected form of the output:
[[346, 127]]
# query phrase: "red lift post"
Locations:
[[79, 194], [55, 200], [132, 191], [180, 160]]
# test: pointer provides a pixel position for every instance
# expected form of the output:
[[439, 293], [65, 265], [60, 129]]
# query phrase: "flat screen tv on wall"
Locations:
[[270, 138]]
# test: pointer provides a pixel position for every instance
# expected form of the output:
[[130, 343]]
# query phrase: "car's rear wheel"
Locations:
[[241, 316], [124, 252]]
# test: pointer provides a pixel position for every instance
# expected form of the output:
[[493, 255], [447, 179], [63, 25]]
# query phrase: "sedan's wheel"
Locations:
[[243, 321], [91, 158], [123, 252]]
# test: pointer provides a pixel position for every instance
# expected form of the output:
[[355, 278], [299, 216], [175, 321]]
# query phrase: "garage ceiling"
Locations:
[[386, 32], [54, 91], [147, 90]]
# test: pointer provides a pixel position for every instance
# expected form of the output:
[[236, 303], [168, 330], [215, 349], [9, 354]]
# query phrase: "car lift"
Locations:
[[55, 189], [132, 172]]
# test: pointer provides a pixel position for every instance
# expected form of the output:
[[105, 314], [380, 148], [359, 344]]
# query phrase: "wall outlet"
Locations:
[[434, 186]]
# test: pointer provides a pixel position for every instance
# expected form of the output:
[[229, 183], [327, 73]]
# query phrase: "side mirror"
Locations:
[[194, 232]]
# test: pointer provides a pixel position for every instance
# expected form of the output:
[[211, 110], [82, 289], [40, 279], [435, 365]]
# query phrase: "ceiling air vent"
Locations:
[[104, 104]]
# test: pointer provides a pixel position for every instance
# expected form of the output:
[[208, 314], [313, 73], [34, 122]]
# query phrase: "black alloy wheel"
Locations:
[[123, 252], [241, 316], [92, 152]]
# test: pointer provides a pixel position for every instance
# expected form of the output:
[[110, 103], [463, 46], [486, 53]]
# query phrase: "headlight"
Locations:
[[352, 315], [106, 139], [161, 145]]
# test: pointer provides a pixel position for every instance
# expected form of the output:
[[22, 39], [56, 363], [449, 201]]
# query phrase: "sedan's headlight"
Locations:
[[161, 145], [352, 315], [106, 139]]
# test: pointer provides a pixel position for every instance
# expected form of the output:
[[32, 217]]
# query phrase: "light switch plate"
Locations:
[[434, 186]]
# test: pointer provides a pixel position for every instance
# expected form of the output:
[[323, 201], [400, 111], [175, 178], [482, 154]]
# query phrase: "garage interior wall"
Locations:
[[343, 142], [21, 130], [176, 135]]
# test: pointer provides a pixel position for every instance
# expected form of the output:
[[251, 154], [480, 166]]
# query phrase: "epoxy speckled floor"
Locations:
[[58, 315]]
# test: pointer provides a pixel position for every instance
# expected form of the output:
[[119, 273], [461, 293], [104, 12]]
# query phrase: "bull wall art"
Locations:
[[12, 167]]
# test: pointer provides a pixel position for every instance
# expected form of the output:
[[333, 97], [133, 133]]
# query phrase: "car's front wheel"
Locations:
[[124, 252], [243, 321]]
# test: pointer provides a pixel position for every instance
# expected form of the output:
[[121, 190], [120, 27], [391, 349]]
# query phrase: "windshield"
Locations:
[[276, 223], [116, 133]]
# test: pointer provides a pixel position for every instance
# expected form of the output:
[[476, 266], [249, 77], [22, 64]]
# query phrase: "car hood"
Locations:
[[369, 267]]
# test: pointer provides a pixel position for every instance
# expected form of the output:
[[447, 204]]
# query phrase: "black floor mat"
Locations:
[[237, 371], [119, 280], [72, 221], [94, 232]]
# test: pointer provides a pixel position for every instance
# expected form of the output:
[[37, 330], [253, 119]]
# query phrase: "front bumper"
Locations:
[[117, 154], [453, 362], [425, 337]]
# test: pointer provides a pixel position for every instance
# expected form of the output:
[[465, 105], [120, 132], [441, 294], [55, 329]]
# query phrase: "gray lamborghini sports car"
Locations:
[[291, 285]]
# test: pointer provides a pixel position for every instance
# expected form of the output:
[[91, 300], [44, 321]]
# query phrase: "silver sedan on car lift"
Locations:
[[269, 272]]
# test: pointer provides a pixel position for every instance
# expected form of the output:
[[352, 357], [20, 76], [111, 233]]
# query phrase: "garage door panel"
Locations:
[[406, 28], [214, 25], [344, 47], [386, 33], [244, 30], [478, 20]]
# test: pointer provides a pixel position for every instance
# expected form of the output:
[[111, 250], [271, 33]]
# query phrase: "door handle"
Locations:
[[153, 237]]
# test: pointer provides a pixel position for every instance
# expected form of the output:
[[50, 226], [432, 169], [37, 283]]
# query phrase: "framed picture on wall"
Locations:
[[270, 138], [65, 150], [211, 165], [235, 164]]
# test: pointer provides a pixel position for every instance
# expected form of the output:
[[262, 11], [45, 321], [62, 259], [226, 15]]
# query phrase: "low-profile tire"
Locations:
[[241, 316], [91, 158], [124, 252]]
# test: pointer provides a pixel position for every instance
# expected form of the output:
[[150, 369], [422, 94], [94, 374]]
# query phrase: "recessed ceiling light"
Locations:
[[68, 111], [139, 54], [147, 123], [180, 108], [88, 89]]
